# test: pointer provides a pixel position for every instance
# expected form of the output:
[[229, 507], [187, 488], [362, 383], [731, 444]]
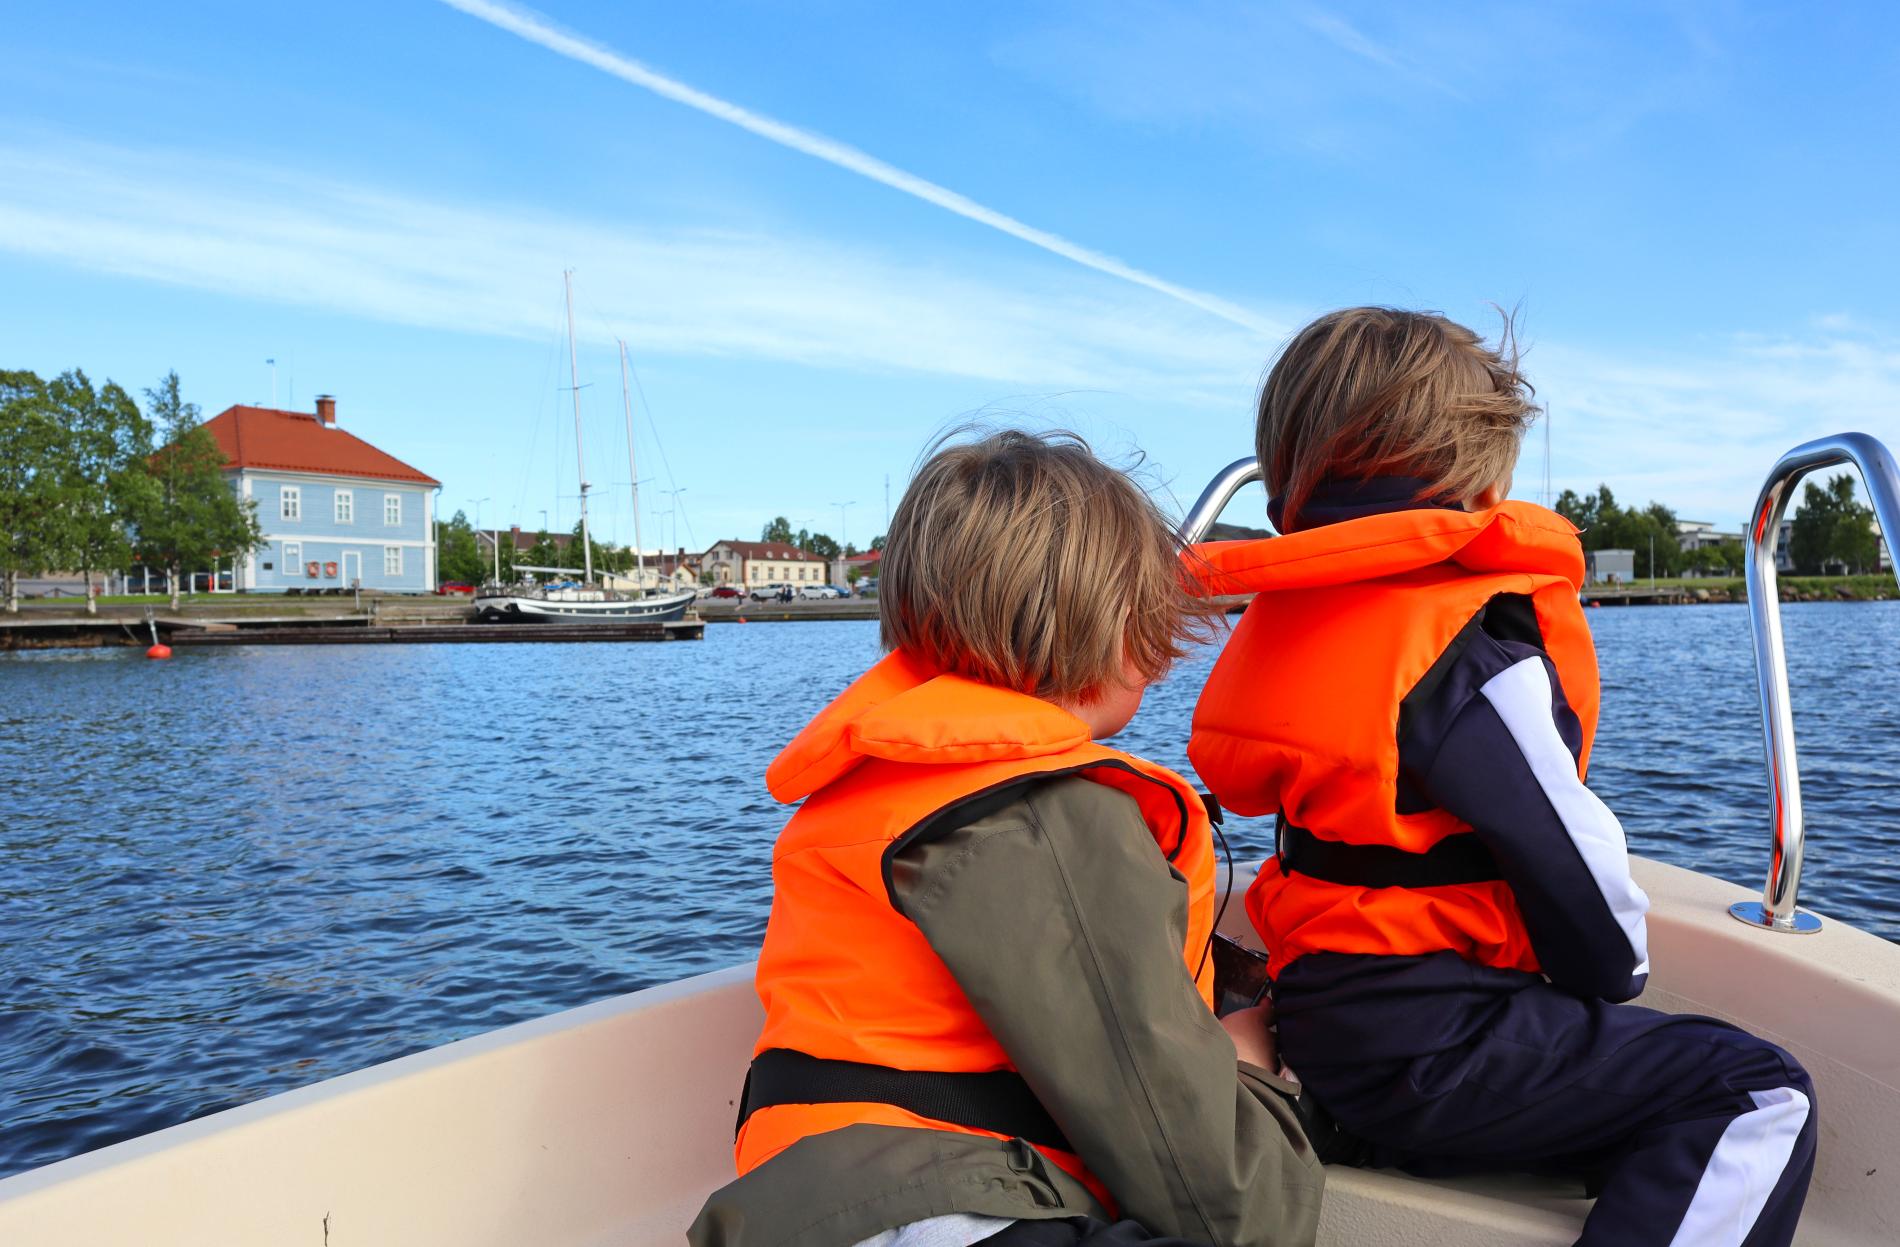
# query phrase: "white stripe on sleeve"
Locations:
[[1521, 695], [1742, 1171]]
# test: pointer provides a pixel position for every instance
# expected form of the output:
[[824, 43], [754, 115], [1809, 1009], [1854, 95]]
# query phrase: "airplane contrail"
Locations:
[[536, 29]]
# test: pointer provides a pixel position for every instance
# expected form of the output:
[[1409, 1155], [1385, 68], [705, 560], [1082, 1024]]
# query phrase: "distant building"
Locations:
[[865, 564], [336, 511], [1603, 567], [754, 564], [1695, 535]]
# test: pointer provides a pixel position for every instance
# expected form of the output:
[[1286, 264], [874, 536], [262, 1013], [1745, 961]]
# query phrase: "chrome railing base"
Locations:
[[1755, 914]]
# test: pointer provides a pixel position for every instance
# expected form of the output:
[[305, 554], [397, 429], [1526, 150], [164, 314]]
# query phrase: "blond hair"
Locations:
[[1021, 560], [1377, 391]]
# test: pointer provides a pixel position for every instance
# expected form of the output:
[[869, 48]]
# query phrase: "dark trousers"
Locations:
[[1691, 1130]]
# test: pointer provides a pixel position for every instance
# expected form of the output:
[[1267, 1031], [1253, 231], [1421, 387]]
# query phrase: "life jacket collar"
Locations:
[[903, 710], [1510, 537]]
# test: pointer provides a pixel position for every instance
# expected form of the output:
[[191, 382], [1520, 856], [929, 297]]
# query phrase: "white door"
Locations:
[[352, 568]]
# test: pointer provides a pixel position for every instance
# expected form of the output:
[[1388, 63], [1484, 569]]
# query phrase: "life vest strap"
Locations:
[[998, 1101], [1457, 859]]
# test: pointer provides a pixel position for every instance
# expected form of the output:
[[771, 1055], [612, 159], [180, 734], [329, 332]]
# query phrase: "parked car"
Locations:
[[769, 593], [454, 586], [844, 591], [725, 591], [818, 593]]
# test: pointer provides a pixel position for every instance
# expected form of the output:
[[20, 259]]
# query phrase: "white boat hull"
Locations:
[[610, 1123], [580, 607]]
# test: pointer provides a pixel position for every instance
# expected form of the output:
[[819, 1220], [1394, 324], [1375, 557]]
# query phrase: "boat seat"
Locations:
[[1496, 1210]]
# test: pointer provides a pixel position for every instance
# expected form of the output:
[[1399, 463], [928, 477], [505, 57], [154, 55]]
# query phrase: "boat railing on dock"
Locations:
[[1777, 908]]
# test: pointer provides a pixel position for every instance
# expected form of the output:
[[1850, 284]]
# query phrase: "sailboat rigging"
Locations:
[[586, 602]]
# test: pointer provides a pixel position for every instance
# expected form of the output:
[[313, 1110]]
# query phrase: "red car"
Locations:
[[455, 586], [724, 591]]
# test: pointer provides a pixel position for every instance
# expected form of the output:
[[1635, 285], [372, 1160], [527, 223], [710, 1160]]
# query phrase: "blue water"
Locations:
[[248, 869]]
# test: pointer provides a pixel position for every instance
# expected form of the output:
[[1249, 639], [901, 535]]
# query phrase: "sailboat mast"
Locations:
[[580, 456], [633, 474]]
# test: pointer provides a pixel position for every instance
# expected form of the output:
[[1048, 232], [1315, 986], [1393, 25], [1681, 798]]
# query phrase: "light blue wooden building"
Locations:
[[336, 511]]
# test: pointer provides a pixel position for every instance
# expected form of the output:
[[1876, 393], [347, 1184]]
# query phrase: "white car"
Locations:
[[818, 593], [767, 593]]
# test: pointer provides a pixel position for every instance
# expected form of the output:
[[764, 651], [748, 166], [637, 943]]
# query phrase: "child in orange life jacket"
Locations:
[[986, 973], [1449, 914]]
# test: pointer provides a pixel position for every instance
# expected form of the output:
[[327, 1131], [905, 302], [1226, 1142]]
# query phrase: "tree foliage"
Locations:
[[104, 441], [30, 540], [459, 557], [187, 515], [1833, 530], [779, 530], [1606, 525]]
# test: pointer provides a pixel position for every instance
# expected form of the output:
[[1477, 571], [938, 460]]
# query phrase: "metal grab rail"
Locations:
[[1214, 499], [1777, 909]]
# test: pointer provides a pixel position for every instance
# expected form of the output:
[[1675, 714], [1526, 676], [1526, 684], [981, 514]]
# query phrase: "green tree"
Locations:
[[821, 545], [30, 488], [458, 555], [104, 440], [779, 530], [1607, 526], [877, 542], [186, 514], [1833, 529], [543, 553]]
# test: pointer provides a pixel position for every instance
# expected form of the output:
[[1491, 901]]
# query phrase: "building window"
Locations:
[[392, 560], [293, 558], [392, 509], [290, 503], [345, 507]]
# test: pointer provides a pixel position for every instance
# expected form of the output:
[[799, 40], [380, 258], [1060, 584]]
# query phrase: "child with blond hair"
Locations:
[[986, 975], [1449, 913]]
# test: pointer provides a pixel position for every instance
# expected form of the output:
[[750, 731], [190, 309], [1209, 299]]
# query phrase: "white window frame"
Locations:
[[343, 506], [293, 559], [392, 510], [392, 554], [290, 502]]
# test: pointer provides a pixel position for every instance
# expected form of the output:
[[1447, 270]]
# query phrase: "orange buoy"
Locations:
[[159, 651]]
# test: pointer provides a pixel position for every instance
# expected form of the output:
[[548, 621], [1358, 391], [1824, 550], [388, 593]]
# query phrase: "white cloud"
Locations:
[[1695, 425], [258, 233], [536, 29]]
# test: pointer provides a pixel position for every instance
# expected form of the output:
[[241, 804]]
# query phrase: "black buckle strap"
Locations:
[[998, 1101], [1459, 858]]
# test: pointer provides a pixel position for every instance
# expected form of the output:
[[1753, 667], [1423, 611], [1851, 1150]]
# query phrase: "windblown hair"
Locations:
[[1376, 391], [1021, 560]]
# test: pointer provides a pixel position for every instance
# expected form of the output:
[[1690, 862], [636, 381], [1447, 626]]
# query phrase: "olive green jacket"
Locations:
[[1064, 926]]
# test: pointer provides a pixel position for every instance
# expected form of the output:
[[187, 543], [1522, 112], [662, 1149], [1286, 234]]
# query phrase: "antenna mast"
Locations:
[[633, 474], [580, 457]]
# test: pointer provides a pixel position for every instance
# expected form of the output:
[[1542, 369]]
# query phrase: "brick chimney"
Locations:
[[326, 410]]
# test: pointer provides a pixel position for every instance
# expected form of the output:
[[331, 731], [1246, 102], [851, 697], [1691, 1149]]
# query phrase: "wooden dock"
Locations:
[[435, 634], [197, 631]]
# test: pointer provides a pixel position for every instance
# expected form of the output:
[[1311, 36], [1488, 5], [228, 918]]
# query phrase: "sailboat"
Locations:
[[565, 600]]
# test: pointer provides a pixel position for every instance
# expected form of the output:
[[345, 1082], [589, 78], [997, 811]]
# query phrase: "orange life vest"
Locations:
[[843, 975], [1300, 715]]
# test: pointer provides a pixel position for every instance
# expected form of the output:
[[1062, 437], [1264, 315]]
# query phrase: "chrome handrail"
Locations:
[[1214, 499], [1777, 909]]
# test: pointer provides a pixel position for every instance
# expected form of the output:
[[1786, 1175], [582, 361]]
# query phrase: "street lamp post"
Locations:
[[492, 539], [843, 532]]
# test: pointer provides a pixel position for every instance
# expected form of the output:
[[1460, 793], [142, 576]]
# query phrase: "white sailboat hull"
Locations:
[[610, 1123], [580, 607]]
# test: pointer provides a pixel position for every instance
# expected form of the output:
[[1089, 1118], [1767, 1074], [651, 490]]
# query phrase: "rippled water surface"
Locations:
[[249, 869]]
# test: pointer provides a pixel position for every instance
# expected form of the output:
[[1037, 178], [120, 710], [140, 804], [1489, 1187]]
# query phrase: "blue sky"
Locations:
[[1693, 205]]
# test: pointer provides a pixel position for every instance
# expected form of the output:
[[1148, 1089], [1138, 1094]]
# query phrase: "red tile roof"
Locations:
[[296, 441], [776, 550]]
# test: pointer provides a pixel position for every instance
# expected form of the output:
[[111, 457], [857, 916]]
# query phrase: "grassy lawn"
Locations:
[[1861, 588]]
